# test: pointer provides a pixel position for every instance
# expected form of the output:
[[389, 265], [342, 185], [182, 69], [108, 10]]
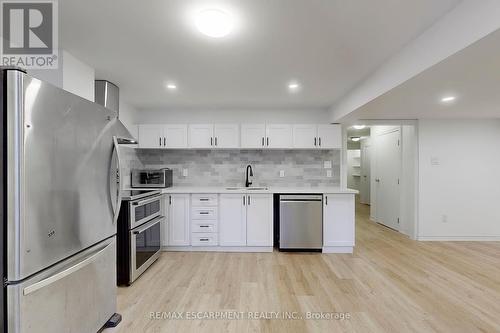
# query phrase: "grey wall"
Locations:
[[227, 167]]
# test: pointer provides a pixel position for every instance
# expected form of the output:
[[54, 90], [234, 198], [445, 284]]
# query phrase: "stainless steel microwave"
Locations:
[[152, 178]]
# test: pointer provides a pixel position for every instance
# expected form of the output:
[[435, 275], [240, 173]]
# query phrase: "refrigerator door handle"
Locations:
[[68, 271], [115, 181]]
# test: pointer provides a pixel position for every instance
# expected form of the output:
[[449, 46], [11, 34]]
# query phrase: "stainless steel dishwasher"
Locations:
[[301, 222]]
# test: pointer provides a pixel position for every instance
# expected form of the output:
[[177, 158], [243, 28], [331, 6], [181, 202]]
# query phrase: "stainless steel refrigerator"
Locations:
[[59, 205]]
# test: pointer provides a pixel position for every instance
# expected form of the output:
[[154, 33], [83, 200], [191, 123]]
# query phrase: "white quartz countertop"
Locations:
[[270, 189]]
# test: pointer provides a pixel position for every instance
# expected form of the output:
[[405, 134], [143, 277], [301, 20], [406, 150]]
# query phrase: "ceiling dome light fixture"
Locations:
[[355, 138], [171, 86], [214, 23], [359, 127]]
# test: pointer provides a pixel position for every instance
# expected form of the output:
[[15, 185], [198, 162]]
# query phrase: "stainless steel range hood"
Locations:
[[108, 95]]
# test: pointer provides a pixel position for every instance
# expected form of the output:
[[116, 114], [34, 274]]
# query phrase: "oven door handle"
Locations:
[[148, 225], [146, 201]]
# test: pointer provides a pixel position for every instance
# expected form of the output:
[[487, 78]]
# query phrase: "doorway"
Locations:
[[387, 174]]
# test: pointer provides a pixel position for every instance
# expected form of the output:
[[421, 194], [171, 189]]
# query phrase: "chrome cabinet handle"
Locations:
[[243, 200], [216, 141], [204, 199], [262, 141], [326, 200], [249, 200], [164, 141], [170, 200], [319, 141], [160, 140], [268, 141], [204, 213], [211, 141], [315, 142], [204, 239], [204, 226]]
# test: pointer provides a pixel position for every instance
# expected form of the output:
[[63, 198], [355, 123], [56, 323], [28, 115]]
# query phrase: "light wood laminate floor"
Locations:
[[389, 284]]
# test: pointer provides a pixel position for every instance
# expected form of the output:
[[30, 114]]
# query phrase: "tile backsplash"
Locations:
[[227, 167]]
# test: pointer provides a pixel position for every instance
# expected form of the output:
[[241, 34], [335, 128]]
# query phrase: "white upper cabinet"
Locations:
[[227, 136], [330, 136], [305, 136], [150, 136], [201, 136], [279, 136], [253, 136], [175, 136]]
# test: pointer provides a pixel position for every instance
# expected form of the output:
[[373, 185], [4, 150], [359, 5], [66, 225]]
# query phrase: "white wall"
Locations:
[[233, 115], [459, 162], [127, 116], [468, 22], [72, 75]]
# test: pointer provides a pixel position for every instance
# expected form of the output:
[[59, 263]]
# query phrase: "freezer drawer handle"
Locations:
[[60, 275]]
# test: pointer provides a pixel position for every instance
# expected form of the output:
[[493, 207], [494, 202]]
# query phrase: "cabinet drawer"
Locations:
[[204, 200], [208, 226], [204, 239], [204, 213]]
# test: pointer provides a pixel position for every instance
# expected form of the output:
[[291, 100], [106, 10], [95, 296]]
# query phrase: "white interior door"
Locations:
[[253, 135], [388, 170], [227, 136], [201, 136], [364, 193], [150, 136], [175, 136]]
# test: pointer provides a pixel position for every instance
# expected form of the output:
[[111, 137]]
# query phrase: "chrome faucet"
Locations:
[[247, 182]]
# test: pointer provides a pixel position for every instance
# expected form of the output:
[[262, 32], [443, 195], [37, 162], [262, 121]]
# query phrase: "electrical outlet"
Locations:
[[282, 173], [327, 164], [184, 172], [329, 173], [444, 218]]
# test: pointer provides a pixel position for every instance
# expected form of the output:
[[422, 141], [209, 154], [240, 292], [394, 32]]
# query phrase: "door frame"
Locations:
[[409, 168]]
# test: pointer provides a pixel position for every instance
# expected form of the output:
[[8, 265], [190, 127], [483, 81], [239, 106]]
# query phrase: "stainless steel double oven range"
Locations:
[[140, 226]]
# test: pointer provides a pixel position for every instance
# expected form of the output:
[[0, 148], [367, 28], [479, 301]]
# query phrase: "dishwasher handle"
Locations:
[[301, 198]]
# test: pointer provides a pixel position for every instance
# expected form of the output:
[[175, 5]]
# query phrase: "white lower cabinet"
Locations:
[[338, 221], [245, 220], [259, 220], [204, 220], [232, 220], [178, 232]]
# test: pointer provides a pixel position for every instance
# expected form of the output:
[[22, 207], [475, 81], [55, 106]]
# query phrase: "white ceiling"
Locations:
[[471, 75], [327, 45]]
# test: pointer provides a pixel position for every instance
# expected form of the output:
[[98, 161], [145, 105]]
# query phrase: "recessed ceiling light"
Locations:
[[355, 138], [359, 127], [171, 86], [448, 99], [294, 86], [214, 23]]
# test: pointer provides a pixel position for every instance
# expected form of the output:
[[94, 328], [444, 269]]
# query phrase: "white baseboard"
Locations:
[[338, 249], [459, 238], [218, 248]]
